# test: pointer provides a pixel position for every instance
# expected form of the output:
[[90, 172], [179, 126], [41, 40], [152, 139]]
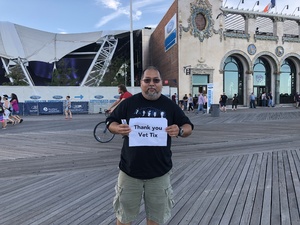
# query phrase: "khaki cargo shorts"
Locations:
[[157, 194]]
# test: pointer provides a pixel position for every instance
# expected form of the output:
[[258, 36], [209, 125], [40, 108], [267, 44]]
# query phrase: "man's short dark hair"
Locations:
[[150, 68], [122, 87]]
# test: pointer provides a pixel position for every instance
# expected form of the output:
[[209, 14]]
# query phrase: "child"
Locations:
[[2, 120], [68, 112]]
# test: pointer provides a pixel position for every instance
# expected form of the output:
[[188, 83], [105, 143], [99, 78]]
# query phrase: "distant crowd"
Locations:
[[199, 102], [9, 110], [189, 103]]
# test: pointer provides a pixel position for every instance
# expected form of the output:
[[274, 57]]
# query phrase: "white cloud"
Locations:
[[111, 4], [62, 31], [137, 9], [105, 19]]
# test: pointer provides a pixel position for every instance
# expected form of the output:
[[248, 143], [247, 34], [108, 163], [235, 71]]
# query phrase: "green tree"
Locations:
[[17, 76], [62, 75], [116, 72]]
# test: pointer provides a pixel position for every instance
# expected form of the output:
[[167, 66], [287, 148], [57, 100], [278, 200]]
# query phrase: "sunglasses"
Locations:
[[148, 80]]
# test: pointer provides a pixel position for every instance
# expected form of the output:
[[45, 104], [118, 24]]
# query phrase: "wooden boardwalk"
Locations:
[[234, 169]]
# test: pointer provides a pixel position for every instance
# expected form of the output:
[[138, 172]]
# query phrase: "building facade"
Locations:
[[235, 51]]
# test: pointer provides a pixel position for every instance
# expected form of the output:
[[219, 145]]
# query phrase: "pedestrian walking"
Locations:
[[223, 101], [7, 111], [201, 103], [235, 102], [2, 120], [190, 103], [270, 100], [68, 112], [252, 101], [14, 101]]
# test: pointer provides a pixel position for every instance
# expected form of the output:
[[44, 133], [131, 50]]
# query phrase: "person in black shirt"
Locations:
[[148, 121], [223, 101]]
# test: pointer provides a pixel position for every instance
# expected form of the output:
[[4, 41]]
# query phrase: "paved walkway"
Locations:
[[242, 167]]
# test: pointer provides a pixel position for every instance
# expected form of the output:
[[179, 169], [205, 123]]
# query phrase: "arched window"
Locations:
[[261, 78], [233, 79], [287, 87], [287, 77], [259, 73]]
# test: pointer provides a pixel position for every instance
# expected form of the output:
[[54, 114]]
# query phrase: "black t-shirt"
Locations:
[[223, 98], [146, 162]]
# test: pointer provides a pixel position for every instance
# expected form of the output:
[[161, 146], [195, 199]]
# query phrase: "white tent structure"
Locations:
[[20, 45]]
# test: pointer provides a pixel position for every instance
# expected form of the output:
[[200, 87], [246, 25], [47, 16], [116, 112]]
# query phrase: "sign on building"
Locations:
[[171, 33]]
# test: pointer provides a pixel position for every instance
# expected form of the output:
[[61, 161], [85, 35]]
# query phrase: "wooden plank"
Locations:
[[294, 157], [284, 205], [259, 195], [77, 196], [227, 215], [240, 204], [43, 198], [247, 213], [267, 198], [291, 193], [275, 208], [225, 193], [186, 209], [211, 190], [184, 193]]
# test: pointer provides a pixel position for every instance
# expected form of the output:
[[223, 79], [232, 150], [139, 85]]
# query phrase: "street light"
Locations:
[[256, 3], [297, 8], [286, 6], [240, 3], [131, 49]]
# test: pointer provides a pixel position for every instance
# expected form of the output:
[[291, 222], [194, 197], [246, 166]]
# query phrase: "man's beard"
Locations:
[[153, 95]]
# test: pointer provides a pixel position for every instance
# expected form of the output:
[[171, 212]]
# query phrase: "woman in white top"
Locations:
[[7, 108]]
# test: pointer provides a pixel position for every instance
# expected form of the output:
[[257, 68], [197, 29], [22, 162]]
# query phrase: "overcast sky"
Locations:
[[78, 16]]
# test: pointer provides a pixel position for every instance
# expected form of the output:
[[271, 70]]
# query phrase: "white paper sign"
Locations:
[[148, 132]]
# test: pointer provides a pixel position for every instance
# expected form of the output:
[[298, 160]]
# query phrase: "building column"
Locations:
[[277, 88], [249, 87]]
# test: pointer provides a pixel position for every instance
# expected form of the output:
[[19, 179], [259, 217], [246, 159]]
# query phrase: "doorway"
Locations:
[[199, 89], [258, 90]]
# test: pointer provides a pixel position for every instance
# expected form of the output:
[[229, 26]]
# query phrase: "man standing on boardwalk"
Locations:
[[148, 120]]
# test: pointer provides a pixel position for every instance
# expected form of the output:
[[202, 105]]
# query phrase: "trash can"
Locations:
[[215, 110]]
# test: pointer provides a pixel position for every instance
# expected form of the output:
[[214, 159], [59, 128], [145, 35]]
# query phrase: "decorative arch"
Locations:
[[270, 57], [293, 56], [242, 56]]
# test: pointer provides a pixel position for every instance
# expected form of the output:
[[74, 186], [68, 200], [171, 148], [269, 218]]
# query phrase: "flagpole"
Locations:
[[131, 49]]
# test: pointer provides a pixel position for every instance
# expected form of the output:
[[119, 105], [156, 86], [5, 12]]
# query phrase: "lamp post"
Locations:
[[286, 6], [297, 8], [240, 3], [131, 49], [256, 3]]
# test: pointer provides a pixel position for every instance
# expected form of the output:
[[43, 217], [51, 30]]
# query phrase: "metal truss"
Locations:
[[98, 68], [8, 64]]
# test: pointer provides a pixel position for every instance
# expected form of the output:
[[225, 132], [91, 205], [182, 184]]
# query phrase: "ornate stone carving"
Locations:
[[200, 21]]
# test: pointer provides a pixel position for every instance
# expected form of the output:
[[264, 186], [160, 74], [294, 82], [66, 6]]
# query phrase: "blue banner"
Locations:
[[30, 108], [79, 107], [49, 108]]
